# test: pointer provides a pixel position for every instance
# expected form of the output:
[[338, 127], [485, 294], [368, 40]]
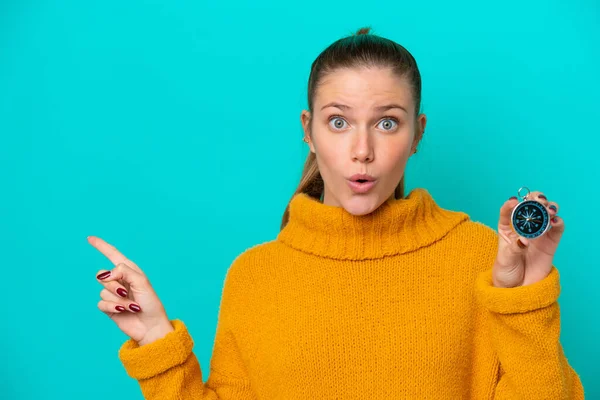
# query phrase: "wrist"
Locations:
[[508, 282], [498, 284], [156, 333]]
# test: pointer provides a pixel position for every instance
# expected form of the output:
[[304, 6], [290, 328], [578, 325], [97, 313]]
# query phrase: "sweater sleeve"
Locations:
[[168, 368], [524, 328]]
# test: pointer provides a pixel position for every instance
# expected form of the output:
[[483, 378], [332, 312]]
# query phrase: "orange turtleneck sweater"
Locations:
[[396, 304]]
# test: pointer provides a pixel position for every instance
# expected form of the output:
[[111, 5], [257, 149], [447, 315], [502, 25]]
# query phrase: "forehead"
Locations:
[[363, 88]]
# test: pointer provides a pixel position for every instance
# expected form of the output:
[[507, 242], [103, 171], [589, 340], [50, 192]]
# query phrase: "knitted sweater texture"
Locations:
[[396, 304]]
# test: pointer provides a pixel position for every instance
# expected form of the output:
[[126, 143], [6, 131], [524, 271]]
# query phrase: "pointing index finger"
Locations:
[[108, 250], [111, 252]]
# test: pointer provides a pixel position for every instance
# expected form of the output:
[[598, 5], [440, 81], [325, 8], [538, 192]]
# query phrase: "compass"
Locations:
[[530, 218]]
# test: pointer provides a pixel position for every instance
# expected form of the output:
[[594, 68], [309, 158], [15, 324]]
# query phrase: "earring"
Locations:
[[304, 140]]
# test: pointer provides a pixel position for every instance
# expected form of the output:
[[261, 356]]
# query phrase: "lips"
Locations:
[[361, 178], [361, 183]]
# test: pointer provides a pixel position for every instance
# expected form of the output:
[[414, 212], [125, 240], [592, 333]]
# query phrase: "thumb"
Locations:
[[506, 212], [511, 246], [137, 281]]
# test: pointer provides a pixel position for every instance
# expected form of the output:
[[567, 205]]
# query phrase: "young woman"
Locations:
[[365, 293]]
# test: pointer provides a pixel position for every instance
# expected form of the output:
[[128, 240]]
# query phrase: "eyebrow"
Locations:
[[379, 108]]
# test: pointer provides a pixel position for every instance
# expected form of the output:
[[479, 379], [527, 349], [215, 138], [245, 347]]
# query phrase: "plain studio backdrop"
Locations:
[[171, 129]]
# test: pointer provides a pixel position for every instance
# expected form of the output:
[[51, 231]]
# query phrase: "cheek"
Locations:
[[330, 160], [395, 156], [327, 158]]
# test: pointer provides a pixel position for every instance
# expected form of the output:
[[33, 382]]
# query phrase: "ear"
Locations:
[[305, 117], [420, 130]]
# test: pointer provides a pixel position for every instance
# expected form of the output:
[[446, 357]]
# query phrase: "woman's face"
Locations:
[[355, 132]]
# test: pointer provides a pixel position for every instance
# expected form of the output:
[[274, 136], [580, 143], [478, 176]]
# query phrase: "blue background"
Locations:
[[172, 130]]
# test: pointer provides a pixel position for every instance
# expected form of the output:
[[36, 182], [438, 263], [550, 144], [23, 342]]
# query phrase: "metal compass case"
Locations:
[[530, 218]]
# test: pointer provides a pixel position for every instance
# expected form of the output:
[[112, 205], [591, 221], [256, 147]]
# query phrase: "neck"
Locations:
[[395, 227]]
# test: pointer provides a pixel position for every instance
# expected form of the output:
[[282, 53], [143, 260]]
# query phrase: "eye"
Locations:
[[388, 123], [339, 122]]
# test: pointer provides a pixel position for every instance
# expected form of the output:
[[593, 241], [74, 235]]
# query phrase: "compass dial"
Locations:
[[530, 219]]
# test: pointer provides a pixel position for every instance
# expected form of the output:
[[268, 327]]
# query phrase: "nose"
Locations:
[[362, 149]]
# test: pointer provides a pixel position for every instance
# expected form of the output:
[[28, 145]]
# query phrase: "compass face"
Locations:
[[530, 219]]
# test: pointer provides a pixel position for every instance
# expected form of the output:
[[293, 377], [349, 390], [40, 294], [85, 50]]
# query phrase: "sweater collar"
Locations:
[[395, 227]]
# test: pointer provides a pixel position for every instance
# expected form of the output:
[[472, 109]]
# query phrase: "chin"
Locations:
[[362, 204]]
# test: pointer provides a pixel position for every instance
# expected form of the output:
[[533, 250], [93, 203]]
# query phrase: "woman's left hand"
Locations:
[[521, 261]]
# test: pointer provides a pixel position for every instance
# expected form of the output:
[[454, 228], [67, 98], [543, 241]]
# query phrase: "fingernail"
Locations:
[[541, 196], [103, 275], [122, 292], [521, 245], [513, 198], [553, 207], [135, 307], [555, 220], [120, 308]]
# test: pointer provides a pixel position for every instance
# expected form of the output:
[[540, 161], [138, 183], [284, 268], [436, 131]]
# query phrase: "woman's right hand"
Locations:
[[129, 299]]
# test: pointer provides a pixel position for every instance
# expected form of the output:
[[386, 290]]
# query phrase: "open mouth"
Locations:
[[361, 185]]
